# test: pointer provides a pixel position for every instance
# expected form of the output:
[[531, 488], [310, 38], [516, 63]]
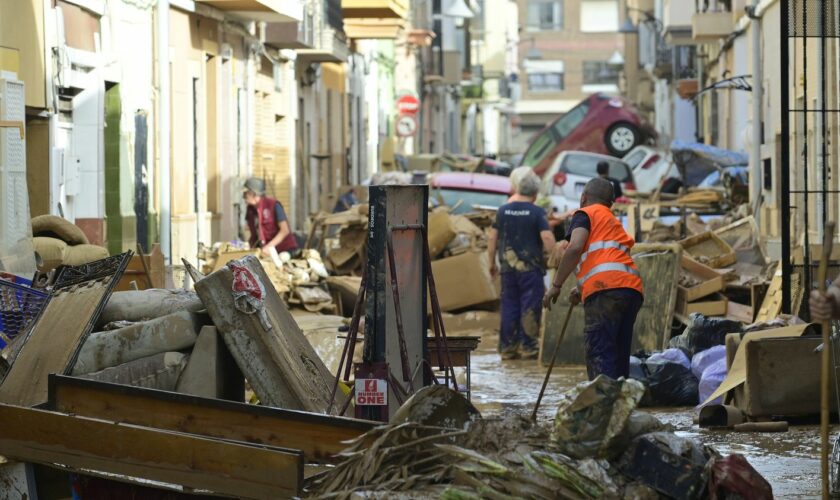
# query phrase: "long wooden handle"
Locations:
[[822, 275], [553, 360]]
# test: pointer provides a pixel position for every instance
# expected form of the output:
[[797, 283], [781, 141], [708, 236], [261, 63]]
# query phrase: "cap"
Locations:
[[255, 184]]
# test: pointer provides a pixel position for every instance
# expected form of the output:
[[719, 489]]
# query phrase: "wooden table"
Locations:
[[460, 351]]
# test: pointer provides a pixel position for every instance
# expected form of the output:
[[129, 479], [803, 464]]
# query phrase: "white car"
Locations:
[[563, 182], [650, 167]]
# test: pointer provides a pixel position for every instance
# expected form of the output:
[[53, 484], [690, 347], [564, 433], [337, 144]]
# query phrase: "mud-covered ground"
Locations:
[[790, 461]]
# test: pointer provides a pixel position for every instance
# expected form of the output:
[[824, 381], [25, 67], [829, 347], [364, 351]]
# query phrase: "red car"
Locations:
[[599, 124], [465, 191]]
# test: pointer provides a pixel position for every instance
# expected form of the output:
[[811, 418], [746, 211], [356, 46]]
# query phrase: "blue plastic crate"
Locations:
[[19, 306]]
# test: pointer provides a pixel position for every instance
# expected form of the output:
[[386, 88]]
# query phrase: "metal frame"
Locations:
[[798, 23]]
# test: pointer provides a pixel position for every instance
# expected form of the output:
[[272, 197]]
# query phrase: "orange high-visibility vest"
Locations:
[[605, 262]]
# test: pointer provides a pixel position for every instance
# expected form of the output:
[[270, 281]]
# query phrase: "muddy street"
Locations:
[[789, 461]]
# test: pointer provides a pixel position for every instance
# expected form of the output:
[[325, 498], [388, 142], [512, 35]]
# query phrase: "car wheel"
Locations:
[[621, 138]]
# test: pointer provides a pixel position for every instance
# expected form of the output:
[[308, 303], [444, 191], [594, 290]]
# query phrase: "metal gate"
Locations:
[[808, 189]]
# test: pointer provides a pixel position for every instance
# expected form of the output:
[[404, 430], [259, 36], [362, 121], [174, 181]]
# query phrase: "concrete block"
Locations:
[[17, 480], [160, 371], [211, 371], [173, 332]]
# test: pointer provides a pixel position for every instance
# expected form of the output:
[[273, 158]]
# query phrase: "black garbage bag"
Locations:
[[666, 383], [672, 465], [704, 332]]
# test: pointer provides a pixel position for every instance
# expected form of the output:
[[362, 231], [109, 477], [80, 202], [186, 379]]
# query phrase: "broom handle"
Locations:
[[822, 272], [553, 359]]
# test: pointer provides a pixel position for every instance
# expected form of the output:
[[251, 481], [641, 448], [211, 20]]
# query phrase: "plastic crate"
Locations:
[[19, 306]]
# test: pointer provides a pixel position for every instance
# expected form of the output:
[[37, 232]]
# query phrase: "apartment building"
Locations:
[[567, 50]]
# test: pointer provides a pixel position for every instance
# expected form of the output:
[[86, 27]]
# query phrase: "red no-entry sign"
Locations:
[[408, 105]]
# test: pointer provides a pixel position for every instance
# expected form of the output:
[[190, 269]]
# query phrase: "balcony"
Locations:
[[329, 41], [373, 29], [277, 11], [676, 22], [711, 26], [375, 9], [300, 35]]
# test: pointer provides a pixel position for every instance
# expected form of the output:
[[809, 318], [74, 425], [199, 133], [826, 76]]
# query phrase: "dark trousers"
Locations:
[[522, 295], [609, 317]]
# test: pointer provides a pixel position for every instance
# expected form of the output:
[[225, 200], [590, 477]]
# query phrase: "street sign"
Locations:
[[406, 125], [371, 392], [408, 105]]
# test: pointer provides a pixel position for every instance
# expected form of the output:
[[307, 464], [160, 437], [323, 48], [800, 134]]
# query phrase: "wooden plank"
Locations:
[[317, 436], [714, 305], [659, 265], [269, 347], [709, 248], [233, 468], [53, 343]]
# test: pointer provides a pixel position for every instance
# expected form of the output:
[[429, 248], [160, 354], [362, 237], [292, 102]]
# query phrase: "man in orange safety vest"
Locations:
[[608, 281]]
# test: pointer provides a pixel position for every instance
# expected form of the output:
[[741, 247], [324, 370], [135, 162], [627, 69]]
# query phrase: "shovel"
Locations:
[[553, 359]]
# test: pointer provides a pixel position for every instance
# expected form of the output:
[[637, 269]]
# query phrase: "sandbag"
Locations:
[[141, 305], [668, 384], [54, 226], [703, 332], [592, 418], [77, 255], [704, 359], [673, 355], [711, 379], [50, 249]]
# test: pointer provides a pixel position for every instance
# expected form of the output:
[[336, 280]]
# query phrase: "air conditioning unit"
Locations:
[[16, 253]]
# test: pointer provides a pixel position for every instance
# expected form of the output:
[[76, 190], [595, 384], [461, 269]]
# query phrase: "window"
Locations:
[[545, 82], [548, 139], [599, 73], [545, 15], [545, 76], [598, 16]]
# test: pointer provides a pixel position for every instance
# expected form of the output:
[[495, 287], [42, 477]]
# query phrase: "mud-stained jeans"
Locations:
[[522, 295], [609, 317]]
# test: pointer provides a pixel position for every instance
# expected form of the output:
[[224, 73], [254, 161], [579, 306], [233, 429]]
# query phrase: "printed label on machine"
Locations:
[[371, 392]]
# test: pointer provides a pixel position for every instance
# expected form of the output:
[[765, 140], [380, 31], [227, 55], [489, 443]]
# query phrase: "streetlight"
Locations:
[[460, 11]]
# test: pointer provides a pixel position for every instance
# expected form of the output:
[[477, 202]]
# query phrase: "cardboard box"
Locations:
[[714, 305], [710, 280], [710, 249], [464, 281]]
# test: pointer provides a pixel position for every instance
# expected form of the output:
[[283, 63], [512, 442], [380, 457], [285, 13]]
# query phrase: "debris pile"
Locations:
[[599, 446]]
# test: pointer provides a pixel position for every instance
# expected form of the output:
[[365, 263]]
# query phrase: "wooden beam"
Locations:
[[82, 444], [317, 436]]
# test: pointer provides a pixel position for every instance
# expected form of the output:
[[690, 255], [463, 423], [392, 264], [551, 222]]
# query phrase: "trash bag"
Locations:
[[673, 355], [711, 379], [704, 359], [636, 370], [703, 332], [592, 417], [734, 477], [668, 384], [672, 465]]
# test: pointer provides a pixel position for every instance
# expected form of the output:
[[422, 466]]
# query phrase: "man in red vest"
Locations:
[[608, 281], [266, 220]]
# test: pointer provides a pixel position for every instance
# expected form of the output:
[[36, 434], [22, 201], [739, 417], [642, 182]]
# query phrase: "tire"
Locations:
[[621, 138]]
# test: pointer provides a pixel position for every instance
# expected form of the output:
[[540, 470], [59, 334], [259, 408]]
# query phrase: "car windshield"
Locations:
[[587, 166], [634, 158], [549, 137], [462, 201]]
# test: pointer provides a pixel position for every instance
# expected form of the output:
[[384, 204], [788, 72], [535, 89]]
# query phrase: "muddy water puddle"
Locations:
[[789, 461]]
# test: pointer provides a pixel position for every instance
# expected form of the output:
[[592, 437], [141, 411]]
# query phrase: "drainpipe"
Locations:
[[164, 130], [757, 99]]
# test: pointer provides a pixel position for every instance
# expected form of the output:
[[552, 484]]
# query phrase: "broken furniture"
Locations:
[[659, 266], [460, 352], [78, 296]]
